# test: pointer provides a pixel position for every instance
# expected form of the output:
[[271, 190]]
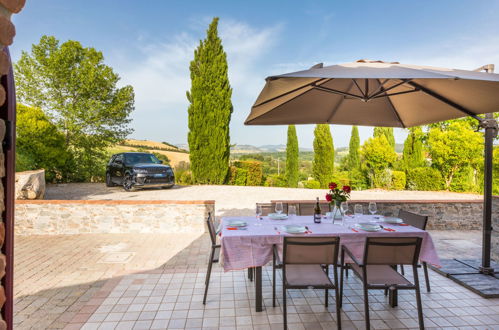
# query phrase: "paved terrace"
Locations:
[[143, 281]]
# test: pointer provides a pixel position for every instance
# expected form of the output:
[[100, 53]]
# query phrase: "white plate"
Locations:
[[393, 220], [294, 229], [236, 223], [368, 226], [276, 216]]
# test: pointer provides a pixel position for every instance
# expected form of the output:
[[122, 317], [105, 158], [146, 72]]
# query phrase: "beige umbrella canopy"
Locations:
[[374, 93]]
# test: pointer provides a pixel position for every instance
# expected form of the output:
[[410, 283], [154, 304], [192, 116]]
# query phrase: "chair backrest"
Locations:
[[270, 208], [311, 250], [392, 250], [309, 207], [413, 219], [211, 229]]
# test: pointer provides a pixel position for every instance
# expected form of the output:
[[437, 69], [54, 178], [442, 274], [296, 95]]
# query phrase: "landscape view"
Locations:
[[253, 165]]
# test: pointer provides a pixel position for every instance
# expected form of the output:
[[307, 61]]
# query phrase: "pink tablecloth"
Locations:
[[253, 247]]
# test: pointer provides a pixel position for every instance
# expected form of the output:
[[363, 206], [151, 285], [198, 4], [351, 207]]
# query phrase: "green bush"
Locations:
[[398, 180], [312, 184], [274, 180], [254, 172], [341, 178], [424, 178], [185, 177], [162, 157], [241, 177], [463, 180]]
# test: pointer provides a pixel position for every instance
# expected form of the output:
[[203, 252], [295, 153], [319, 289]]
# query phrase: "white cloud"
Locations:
[[161, 77]]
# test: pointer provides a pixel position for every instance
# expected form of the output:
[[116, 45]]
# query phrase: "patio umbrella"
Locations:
[[376, 93]]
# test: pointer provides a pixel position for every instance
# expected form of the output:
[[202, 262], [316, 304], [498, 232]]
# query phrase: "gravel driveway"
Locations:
[[229, 199]]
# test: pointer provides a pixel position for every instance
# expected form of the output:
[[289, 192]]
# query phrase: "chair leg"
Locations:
[[366, 300], [208, 274], [250, 274], [340, 302], [386, 292], [337, 295], [273, 280], [426, 277], [402, 269], [284, 307], [418, 298], [326, 293]]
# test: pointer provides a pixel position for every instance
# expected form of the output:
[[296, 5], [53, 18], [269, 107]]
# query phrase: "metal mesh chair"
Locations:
[[305, 264], [215, 250], [418, 221], [309, 208], [376, 272]]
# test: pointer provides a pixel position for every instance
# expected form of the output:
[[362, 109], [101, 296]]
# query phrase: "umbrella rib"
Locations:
[[404, 81], [334, 91], [337, 106], [357, 85], [392, 107], [291, 91], [444, 100], [398, 93]]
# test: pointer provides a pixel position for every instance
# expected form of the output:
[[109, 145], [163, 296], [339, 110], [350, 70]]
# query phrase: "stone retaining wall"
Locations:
[[53, 217], [443, 214]]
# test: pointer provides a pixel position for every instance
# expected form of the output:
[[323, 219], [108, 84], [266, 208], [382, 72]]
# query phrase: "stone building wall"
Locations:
[[7, 33], [50, 217]]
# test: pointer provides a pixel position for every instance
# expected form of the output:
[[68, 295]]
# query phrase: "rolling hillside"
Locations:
[[174, 154]]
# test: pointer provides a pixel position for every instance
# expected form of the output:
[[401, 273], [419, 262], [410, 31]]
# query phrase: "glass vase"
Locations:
[[337, 213]]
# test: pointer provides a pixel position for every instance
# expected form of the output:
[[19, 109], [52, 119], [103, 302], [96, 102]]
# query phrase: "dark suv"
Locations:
[[138, 169]]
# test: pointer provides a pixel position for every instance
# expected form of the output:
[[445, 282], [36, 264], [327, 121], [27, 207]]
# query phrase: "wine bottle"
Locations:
[[317, 212]]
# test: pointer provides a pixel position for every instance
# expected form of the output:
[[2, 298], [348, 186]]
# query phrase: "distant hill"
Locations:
[[174, 153]]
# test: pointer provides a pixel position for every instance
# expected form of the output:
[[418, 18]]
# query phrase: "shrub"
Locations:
[[463, 180], [162, 157], [424, 178], [185, 177], [240, 177], [398, 180], [312, 184], [274, 180], [254, 172]]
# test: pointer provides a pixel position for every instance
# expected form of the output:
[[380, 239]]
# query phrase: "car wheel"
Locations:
[[128, 183], [109, 183]]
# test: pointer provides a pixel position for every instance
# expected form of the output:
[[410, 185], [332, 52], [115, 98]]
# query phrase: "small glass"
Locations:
[[278, 207], [358, 210], [372, 209], [258, 215], [291, 210], [344, 210]]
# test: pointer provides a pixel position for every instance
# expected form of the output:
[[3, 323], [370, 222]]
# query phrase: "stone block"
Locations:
[[2, 233], [2, 95], [13, 6], [7, 31], [4, 63], [2, 296], [3, 264], [30, 184]]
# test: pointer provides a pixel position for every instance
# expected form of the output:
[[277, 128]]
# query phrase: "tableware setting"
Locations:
[[393, 220], [295, 229], [278, 216], [237, 225], [368, 226]]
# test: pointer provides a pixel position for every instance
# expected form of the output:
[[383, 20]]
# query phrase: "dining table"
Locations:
[[250, 244]]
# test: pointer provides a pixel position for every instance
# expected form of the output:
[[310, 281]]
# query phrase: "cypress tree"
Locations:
[[292, 157], [353, 150], [387, 132], [209, 110], [412, 155], [323, 164]]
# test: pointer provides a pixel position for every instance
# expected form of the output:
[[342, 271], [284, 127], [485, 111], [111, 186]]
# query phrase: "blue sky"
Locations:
[[151, 45]]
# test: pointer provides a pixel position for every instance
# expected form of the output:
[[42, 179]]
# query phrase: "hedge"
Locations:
[[254, 172], [424, 178], [398, 180], [274, 180], [312, 184]]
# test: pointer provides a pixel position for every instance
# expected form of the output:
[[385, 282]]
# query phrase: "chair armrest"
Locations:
[[350, 254], [216, 246]]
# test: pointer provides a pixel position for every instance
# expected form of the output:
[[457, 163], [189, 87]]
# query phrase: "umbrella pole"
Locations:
[[491, 129]]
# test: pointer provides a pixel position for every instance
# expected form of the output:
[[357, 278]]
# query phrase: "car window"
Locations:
[[119, 157], [112, 159], [131, 159]]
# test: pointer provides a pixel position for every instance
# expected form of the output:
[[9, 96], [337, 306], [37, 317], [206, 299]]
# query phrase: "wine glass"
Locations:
[[372, 208], [344, 210], [358, 210], [259, 212], [278, 207], [291, 210]]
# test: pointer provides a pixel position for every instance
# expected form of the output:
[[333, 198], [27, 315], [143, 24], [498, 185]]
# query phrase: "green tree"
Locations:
[[387, 132], [454, 147], [40, 145], [79, 95], [495, 171], [378, 156], [323, 163], [209, 110], [353, 158], [292, 157], [413, 155]]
